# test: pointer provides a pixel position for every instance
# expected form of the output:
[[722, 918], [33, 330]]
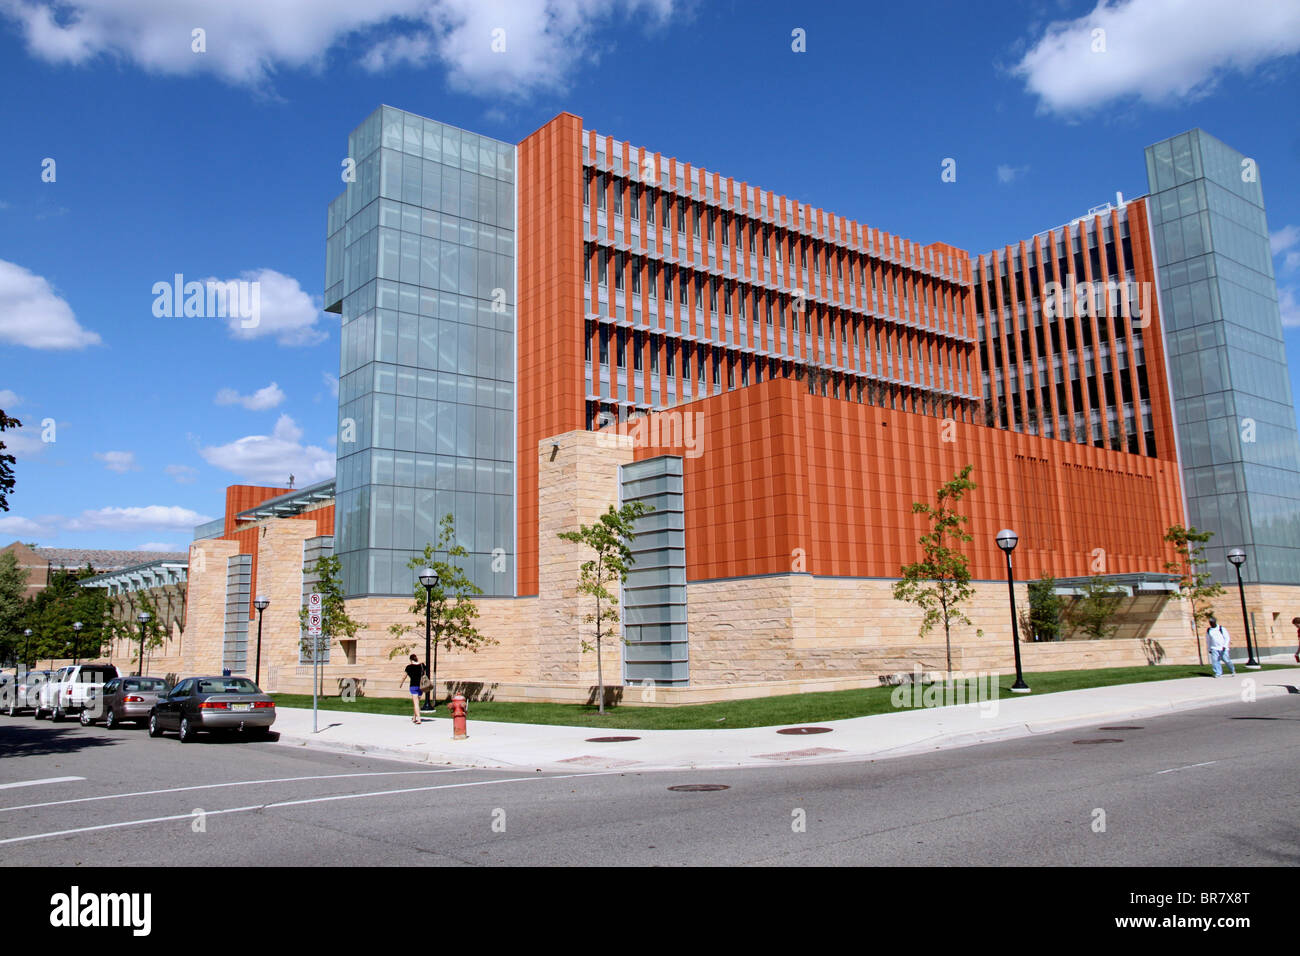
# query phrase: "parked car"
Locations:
[[66, 692], [123, 699], [25, 694], [212, 703]]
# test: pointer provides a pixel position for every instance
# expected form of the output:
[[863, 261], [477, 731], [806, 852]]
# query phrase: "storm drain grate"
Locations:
[[1120, 727], [699, 787], [805, 730], [1100, 740], [609, 740]]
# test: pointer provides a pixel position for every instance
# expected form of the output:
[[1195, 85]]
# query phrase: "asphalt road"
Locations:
[[1210, 787]]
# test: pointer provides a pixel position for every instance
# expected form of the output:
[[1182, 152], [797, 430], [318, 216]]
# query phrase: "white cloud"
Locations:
[[31, 314], [1282, 240], [26, 528], [1288, 303], [332, 382], [1159, 51], [147, 518], [285, 311], [26, 442], [272, 458], [183, 474], [118, 461], [259, 401], [1007, 174], [247, 41], [157, 546], [9, 399]]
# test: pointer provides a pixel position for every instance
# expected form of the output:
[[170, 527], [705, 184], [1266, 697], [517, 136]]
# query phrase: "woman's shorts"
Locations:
[[415, 691]]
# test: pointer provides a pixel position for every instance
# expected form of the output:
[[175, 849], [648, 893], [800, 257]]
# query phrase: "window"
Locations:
[[726, 225], [686, 361], [618, 271], [682, 291], [586, 265], [668, 284], [636, 275], [650, 207], [620, 348], [681, 215], [710, 217], [602, 271], [669, 350], [604, 345], [600, 192], [635, 212], [636, 351], [717, 368], [654, 355], [618, 197], [586, 187]]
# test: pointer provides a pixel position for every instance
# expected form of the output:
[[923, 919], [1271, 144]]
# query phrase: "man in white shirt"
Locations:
[[1216, 641]]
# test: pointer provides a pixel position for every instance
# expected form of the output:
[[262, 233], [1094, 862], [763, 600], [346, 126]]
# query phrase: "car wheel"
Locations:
[[155, 729], [37, 713], [57, 714], [13, 710], [110, 719], [85, 718], [187, 732]]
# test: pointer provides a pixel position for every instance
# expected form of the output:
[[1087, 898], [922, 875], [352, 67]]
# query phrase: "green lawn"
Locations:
[[763, 712]]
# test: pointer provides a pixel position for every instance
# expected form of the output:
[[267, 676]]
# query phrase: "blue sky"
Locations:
[[220, 163]]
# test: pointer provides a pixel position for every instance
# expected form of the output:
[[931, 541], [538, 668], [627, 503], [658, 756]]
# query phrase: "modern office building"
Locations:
[[533, 332]]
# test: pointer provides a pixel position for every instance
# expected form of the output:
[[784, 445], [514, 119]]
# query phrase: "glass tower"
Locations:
[[420, 263], [1227, 362]]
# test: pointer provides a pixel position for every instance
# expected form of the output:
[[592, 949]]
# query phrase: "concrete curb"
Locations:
[[435, 754]]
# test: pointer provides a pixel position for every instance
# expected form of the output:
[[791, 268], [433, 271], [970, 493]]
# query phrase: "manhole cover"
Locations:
[[698, 787], [1120, 727], [1100, 740], [805, 730], [609, 740]]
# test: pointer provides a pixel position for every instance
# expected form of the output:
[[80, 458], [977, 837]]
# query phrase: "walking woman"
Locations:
[[414, 674]]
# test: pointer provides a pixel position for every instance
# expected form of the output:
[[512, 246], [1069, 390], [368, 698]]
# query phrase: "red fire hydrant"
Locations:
[[458, 710]]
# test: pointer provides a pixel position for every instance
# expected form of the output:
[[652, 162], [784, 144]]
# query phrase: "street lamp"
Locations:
[[262, 603], [1238, 558], [429, 578], [76, 646], [143, 618], [27, 648], [1007, 541]]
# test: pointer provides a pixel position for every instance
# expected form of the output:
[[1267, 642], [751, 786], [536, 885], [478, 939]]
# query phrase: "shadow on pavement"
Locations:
[[18, 740]]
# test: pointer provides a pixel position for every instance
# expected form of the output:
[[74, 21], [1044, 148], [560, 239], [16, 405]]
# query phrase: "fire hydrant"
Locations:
[[458, 710]]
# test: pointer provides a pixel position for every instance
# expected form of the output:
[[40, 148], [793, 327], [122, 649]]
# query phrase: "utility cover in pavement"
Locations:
[[699, 787], [805, 730], [1100, 740], [609, 740]]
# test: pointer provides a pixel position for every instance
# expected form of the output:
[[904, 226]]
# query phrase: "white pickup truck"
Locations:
[[68, 691]]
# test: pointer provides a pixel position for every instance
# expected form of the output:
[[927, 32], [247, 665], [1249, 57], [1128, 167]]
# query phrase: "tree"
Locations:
[[1093, 611], [127, 628], [608, 538], [449, 603], [939, 584], [7, 462], [335, 622], [13, 587], [1195, 583], [53, 610], [1043, 618]]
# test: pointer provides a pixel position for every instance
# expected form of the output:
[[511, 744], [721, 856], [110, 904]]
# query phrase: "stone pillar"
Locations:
[[279, 579], [577, 482], [205, 606]]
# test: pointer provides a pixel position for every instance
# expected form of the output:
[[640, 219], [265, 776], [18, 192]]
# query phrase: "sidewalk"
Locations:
[[542, 747]]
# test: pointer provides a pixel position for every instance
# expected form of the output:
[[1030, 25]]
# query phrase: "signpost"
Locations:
[[314, 631]]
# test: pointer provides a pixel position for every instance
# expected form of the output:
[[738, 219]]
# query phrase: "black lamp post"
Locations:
[[76, 642], [1007, 541], [1238, 557], [143, 618], [262, 603], [429, 578]]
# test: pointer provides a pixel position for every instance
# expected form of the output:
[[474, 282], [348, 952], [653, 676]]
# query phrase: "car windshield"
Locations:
[[227, 685], [152, 684], [96, 675]]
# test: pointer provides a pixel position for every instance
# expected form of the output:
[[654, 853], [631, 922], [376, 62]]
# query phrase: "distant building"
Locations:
[[40, 563]]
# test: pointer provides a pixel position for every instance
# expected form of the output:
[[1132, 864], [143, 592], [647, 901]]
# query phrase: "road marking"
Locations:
[[33, 783], [213, 786], [1188, 767], [294, 803]]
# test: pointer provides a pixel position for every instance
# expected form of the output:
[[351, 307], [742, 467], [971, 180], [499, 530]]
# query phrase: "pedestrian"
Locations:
[[414, 675], [1296, 622], [1216, 642]]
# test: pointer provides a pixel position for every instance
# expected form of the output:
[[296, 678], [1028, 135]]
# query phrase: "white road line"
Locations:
[[213, 786], [1188, 767], [294, 803], [33, 783]]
